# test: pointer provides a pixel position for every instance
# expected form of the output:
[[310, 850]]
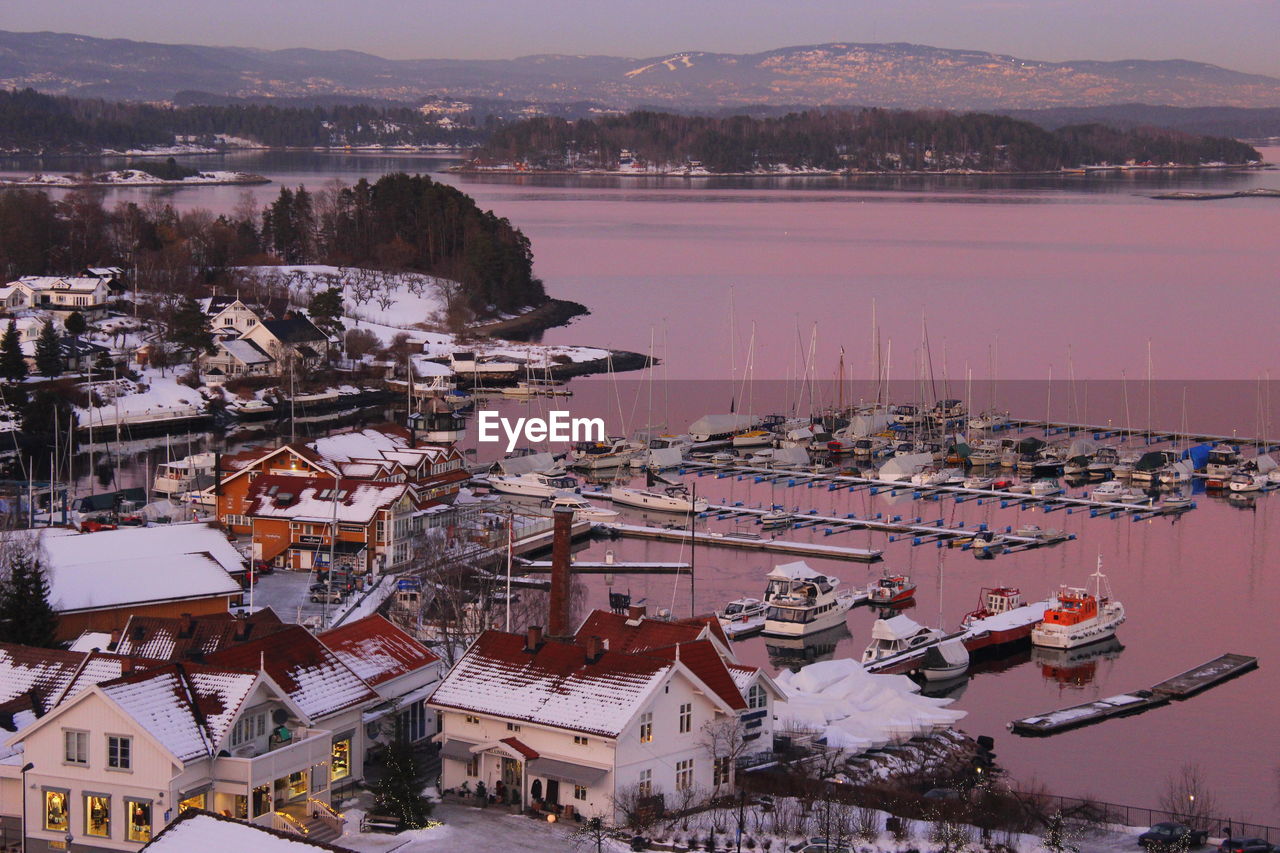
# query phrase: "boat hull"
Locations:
[[830, 619], [1074, 636]]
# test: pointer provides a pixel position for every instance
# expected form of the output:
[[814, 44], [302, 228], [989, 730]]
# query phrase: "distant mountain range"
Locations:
[[889, 75]]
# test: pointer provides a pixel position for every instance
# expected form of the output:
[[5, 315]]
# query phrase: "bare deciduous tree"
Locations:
[[724, 740], [1187, 796]]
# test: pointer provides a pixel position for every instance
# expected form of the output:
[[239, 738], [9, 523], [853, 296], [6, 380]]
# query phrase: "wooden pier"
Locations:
[[1181, 686], [604, 567], [753, 543]]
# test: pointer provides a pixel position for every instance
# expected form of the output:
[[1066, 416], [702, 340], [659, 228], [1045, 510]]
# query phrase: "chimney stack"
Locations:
[[533, 638], [636, 612], [595, 648], [562, 537]]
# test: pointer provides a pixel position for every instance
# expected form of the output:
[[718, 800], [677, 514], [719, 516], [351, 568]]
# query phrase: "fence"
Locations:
[[1140, 816]]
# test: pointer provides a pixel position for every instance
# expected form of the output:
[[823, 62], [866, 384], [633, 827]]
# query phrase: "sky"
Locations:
[[1238, 34]]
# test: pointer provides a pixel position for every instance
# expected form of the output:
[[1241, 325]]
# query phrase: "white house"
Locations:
[[231, 319], [87, 294], [579, 725]]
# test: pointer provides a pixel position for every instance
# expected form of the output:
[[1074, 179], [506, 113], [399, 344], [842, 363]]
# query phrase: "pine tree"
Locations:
[[12, 364], [399, 791], [75, 324], [189, 328], [26, 616], [326, 311], [48, 351]]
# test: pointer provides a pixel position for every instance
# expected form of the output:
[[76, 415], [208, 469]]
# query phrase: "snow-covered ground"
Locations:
[[125, 401], [134, 177]]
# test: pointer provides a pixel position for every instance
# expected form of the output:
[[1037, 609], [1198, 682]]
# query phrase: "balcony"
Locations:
[[307, 747]]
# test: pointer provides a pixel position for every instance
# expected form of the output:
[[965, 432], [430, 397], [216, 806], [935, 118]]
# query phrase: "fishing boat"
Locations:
[[670, 499], [1080, 617], [891, 589], [582, 508], [1001, 618], [185, 475], [533, 484], [802, 601], [742, 617]]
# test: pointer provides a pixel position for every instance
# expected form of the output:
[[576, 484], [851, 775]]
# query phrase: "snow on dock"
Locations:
[[751, 542]]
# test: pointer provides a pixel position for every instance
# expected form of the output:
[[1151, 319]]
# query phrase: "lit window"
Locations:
[[579, 792], [686, 717], [340, 763], [646, 727], [119, 752], [97, 815], [76, 747], [513, 727], [684, 774], [580, 740], [139, 812], [644, 786], [55, 811], [473, 719], [195, 801]]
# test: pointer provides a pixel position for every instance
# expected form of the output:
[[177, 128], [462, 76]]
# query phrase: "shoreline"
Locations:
[[71, 182], [552, 313], [817, 173]]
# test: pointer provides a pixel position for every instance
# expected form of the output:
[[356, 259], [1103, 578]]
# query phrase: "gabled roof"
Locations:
[[630, 635], [285, 496], [179, 637], [245, 351], [704, 661], [294, 330], [556, 685], [377, 650], [37, 677], [198, 831], [314, 677]]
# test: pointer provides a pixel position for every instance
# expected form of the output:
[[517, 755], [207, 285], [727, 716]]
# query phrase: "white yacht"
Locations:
[[534, 484], [899, 635], [597, 455], [582, 508], [671, 499], [190, 474], [803, 601]]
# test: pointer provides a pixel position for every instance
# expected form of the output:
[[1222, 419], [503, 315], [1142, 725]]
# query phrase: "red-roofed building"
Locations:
[[625, 706]]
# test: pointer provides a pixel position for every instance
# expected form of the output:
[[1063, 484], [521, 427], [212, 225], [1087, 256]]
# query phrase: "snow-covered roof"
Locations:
[[636, 635], [314, 498], [424, 367], [554, 685], [376, 650], [197, 831], [73, 284], [245, 351], [898, 628], [796, 571], [176, 637], [90, 640], [135, 565]]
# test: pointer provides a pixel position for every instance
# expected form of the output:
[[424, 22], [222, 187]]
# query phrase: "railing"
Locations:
[[322, 811], [1142, 816], [310, 747], [288, 823]]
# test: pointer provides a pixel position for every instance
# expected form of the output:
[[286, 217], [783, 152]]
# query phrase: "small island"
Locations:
[[163, 174]]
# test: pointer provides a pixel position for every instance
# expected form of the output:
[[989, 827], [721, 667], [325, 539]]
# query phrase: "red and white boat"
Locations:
[[1002, 617], [890, 589], [1080, 617]]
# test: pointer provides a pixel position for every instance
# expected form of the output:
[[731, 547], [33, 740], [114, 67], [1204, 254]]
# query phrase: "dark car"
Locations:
[[1169, 835], [1245, 845]]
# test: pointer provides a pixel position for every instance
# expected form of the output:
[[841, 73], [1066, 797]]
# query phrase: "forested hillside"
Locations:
[[863, 140]]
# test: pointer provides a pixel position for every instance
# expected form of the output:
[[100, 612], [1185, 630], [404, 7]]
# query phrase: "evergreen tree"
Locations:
[[48, 352], [399, 791], [26, 616], [75, 324], [189, 328], [326, 311], [12, 365]]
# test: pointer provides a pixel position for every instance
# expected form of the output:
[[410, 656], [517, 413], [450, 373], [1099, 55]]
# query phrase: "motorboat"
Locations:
[[742, 617], [890, 589], [251, 409], [906, 415], [1046, 486], [990, 419], [1222, 462], [945, 660], [1040, 534], [898, 637], [192, 473], [870, 447], [1111, 491], [803, 601], [777, 518], [670, 499], [1103, 462], [596, 455], [582, 508], [1080, 617], [753, 438], [975, 482], [533, 484], [1246, 481]]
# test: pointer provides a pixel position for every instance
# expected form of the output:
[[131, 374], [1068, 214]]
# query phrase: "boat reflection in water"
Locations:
[[952, 688], [1077, 667], [795, 652]]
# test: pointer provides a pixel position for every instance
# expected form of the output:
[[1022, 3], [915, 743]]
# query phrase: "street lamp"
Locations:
[[23, 825]]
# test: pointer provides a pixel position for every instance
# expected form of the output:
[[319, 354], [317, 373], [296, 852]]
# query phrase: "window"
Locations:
[[757, 697], [473, 719], [319, 778], [721, 771], [644, 785], [56, 818], [684, 774], [195, 801], [119, 752], [473, 765], [579, 792], [240, 806], [139, 825], [76, 747], [97, 815], [415, 721], [580, 740], [261, 800], [249, 727], [686, 718], [340, 763], [513, 727], [646, 727]]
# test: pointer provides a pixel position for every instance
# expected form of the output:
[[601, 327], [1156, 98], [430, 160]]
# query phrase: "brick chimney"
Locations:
[[533, 638], [558, 606], [595, 647], [636, 612]]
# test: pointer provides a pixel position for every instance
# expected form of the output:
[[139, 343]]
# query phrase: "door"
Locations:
[[553, 792], [511, 778]]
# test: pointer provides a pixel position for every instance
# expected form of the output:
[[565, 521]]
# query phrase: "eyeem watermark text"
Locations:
[[557, 427]]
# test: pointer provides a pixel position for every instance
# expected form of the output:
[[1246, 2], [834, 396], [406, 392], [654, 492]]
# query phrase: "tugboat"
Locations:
[[1080, 617], [890, 589]]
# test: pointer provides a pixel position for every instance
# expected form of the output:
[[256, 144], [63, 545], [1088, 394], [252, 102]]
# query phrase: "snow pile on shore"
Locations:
[[857, 711]]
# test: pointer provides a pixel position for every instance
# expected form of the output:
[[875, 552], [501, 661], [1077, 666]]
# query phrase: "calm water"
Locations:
[[1069, 278]]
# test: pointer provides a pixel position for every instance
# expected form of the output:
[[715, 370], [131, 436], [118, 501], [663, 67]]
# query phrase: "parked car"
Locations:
[[92, 526], [1246, 845], [1169, 835], [320, 591], [263, 567]]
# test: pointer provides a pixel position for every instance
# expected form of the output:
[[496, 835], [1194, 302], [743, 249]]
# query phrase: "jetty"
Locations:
[[752, 542], [606, 567], [1181, 686]]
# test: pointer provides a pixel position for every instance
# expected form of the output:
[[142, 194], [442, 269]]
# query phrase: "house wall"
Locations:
[[234, 317], [72, 625], [149, 778]]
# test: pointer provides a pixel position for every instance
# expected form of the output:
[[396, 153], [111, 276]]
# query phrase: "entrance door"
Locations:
[[511, 779], [553, 791]]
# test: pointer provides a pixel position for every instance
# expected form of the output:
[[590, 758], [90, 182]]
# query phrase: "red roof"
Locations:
[[377, 650], [520, 747], [704, 661], [623, 636]]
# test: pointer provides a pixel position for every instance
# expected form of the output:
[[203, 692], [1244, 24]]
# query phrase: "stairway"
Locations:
[[319, 830]]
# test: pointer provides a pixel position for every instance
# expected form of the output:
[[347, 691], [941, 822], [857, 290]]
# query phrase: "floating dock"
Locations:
[[542, 567], [753, 543], [1182, 686]]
